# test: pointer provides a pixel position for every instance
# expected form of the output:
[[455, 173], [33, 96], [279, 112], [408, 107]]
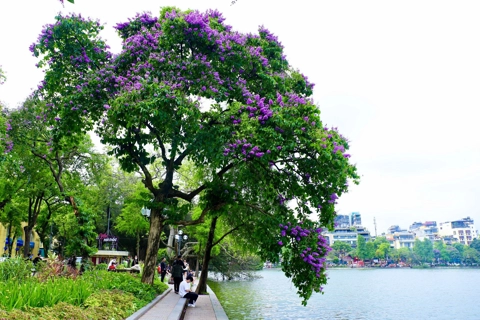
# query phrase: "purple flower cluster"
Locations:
[[245, 149], [315, 256]]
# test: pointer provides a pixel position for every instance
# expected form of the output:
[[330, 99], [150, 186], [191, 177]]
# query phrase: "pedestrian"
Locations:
[[135, 261], [37, 260], [186, 291], [72, 262], [177, 273], [112, 266], [163, 269]]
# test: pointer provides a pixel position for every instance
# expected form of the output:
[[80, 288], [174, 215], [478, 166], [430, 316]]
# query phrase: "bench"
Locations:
[[178, 310]]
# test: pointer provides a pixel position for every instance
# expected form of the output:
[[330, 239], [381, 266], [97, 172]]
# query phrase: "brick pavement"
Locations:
[[206, 308]]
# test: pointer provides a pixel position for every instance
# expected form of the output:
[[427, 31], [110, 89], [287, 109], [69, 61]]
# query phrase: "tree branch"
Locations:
[[226, 234]]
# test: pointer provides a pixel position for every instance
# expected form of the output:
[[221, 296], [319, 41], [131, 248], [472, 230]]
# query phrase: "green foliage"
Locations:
[[361, 248], [100, 294], [470, 255], [370, 249], [101, 266], [131, 221], [383, 250], [341, 246], [475, 244], [424, 250], [179, 95], [100, 305], [15, 270], [3, 77]]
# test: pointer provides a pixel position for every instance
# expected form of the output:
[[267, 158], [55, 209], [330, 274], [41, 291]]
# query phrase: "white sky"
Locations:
[[401, 80]]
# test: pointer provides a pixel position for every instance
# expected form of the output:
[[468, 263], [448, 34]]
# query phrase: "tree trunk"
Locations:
[[156, 222], [202, 283], [10, 240], [33, 212], [138, 245], [26, 241], [171, 240], [197, 263]]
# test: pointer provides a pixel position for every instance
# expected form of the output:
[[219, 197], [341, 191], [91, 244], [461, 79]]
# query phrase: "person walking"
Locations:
[[177, 273], [186, 291], [163, 269]]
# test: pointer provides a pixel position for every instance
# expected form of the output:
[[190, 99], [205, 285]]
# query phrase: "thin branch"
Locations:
[[226, 234], [160, 142]]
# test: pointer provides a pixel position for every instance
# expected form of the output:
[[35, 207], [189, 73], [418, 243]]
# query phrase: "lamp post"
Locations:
[[145, 212], [179, 238]]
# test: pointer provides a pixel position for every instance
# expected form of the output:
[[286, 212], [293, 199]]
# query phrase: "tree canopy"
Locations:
[[186, 86]]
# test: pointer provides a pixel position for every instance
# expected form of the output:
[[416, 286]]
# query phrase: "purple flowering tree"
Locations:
[[186, 86]]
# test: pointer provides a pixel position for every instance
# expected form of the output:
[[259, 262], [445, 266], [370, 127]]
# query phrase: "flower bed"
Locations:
[[58, 293]]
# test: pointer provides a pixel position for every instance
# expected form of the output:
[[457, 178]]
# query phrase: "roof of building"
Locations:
[[110, 253]]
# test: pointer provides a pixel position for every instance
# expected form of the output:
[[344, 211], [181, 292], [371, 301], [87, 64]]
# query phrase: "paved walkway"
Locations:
[[170, 307]]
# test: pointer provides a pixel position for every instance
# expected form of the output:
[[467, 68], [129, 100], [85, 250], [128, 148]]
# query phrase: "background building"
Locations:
[[355, 219], [425, 230], [18, 243], [348, 235], [342, 221], [461, 230]]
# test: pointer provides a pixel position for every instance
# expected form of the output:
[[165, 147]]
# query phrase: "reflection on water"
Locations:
[[357, 294]]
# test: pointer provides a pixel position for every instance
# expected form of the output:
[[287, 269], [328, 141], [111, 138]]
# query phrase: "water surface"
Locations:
[[358, 294]]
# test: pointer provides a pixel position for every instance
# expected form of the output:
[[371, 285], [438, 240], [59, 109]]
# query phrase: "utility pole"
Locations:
[[375, 223]]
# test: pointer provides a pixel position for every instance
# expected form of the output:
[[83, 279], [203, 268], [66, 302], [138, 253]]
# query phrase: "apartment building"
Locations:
[[461, 230]]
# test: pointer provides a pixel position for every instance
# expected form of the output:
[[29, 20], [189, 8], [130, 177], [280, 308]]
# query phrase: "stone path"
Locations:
[[171, 307]]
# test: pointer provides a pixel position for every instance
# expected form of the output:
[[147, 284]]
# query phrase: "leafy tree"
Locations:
[[190, 88], [67, 163], [460, 247], [379, 240], [475, 244], [370, 249], [341, 247], [383, 250], [11, 218], [470, 255], [131, 221], [362, 252], [423, 249], [394, 254], [453, 254]]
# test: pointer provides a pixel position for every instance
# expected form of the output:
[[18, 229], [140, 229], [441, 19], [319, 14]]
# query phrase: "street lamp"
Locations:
[[145, 212], [179, 238]]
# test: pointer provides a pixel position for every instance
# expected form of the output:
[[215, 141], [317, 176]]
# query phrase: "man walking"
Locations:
[[177, 273], [163, 269]]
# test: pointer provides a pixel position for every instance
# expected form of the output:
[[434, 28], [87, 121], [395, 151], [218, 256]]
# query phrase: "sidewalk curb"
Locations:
[[217, 307], [144, 310]]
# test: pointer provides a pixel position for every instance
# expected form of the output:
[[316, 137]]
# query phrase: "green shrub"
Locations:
[[17, 269], [126, 282], [32, 293], [101, 266], [97, 294]]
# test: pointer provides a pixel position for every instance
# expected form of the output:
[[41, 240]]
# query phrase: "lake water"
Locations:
[[358, 294]]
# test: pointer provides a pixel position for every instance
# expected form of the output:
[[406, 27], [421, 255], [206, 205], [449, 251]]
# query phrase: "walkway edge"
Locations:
[[217, 307], [144, 310]]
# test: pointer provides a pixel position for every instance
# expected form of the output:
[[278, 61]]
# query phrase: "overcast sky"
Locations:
[[401, 81]]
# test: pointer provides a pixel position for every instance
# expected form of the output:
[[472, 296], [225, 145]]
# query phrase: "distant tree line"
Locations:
[[422, 252]]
